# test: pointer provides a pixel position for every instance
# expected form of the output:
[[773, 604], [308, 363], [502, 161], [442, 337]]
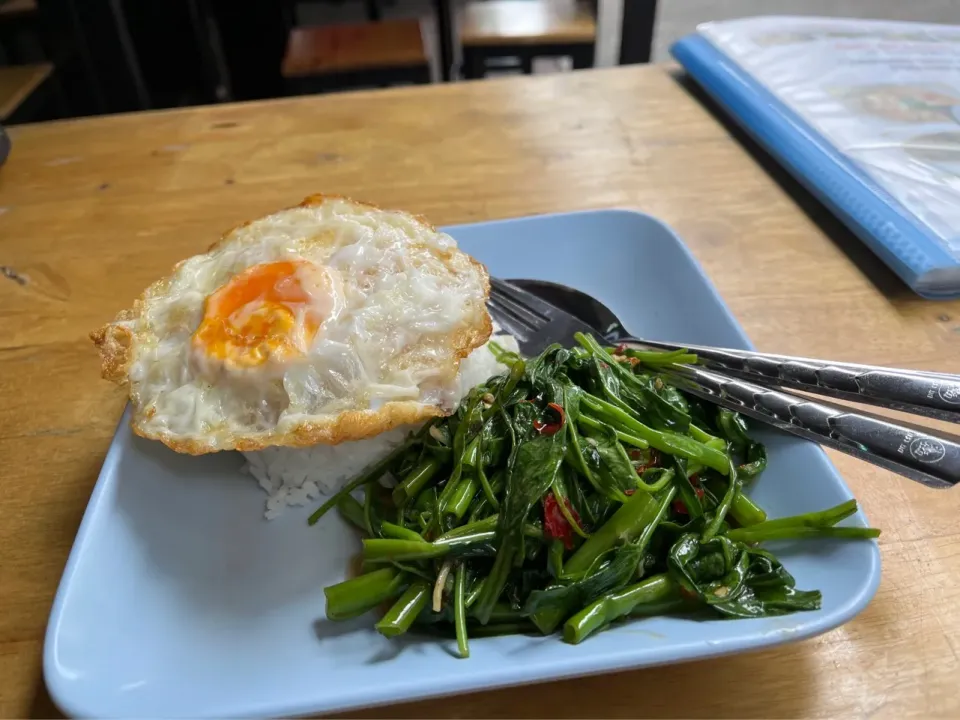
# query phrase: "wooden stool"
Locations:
[[335, 57], [526, 29], [22, 90], [40, 55]]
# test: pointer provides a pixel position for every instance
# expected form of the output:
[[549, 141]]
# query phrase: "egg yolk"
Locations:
[[263, 313]]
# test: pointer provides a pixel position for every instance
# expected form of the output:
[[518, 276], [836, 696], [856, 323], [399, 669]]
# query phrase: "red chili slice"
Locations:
[[555, 525], [695, 481], [551, 428], [559, 410], [681, 507]]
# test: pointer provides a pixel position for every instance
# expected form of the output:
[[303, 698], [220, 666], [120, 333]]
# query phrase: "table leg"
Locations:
[[636, 31], [443, 13]]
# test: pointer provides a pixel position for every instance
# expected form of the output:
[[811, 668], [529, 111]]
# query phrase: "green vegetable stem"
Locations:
[[405, 610], [361, 594], [579, 488], [351, 511], [414, 483], [628, 522], [656, 595], [460, 610]]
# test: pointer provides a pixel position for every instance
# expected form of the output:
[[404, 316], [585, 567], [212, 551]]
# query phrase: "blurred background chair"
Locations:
[[23, 90], [510, 33], [337, 57], [68, 58], [34, 53]]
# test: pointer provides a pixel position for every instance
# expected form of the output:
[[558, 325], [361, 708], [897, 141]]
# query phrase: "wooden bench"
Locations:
[[328, 57], [15, 8], [21, 90], [526, 29]]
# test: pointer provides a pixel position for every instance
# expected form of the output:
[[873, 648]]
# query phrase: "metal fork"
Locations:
[[744, 385]]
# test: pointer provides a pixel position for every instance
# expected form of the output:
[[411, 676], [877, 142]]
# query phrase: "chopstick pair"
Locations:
[[751, 383]]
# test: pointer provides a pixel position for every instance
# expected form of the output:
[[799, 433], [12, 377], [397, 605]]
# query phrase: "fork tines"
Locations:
[[515, 310]]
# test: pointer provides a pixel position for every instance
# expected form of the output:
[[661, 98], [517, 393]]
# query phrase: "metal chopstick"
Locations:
[[915, 452], [934, 395]]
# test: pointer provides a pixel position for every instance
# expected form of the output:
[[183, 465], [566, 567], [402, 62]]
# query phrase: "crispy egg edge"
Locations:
[[116, 347]]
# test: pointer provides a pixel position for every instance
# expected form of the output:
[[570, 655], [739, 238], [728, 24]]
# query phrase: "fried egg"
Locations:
[[330, 321]]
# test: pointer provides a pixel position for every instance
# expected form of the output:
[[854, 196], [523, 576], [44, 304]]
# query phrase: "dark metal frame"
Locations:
[[212, 63], [636, 31], [444, 16], [110, 62]]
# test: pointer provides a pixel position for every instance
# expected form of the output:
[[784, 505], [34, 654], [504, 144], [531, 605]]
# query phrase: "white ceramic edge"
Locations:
[[507, 677]]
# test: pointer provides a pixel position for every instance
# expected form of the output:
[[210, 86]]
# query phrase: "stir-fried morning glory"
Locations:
[[575, 490]]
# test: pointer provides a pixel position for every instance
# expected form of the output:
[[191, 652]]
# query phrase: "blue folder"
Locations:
[[898, 236]]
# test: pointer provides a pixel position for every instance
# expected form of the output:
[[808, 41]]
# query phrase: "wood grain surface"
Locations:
[[91, 211]]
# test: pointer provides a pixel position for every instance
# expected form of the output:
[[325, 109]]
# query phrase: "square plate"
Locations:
[[180, 599]]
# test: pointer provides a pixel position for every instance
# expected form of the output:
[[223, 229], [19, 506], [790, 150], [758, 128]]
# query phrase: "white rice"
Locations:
[[298, 476]]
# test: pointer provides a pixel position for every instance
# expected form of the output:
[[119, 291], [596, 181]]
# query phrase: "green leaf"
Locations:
[[550, 607], [721, 509], [673, 396], [533, 466], [735, 580], [545, 368], [686, 489], [488, 467], [608, 461], [637, 392], [756, 462], [733, 428]]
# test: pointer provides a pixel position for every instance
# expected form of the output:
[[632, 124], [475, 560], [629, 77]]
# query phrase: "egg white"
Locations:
[[401, 306]]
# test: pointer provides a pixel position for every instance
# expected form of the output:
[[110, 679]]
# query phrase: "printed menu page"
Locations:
[[886, 94]]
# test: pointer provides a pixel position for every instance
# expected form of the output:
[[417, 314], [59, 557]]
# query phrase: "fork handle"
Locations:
[[934, 395]]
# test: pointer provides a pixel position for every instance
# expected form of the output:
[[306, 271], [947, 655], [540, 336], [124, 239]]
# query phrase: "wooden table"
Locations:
[[94, 210]]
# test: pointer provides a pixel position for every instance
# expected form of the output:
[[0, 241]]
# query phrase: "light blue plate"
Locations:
[[180, 600]]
